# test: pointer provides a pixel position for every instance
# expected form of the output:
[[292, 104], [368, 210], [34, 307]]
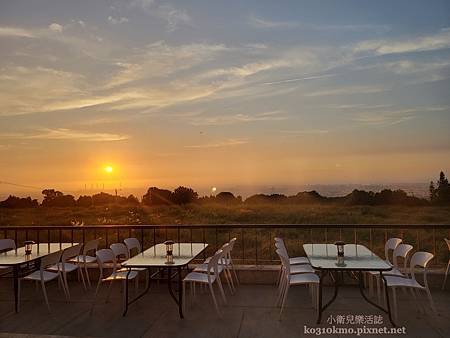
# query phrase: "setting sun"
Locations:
[[109, 169]]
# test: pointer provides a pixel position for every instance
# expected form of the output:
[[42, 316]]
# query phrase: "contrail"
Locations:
[[300, 79]]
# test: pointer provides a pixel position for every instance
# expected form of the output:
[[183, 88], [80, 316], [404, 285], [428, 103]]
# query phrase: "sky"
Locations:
[[222, 93]]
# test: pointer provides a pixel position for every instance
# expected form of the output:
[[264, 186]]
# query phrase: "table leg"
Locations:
[[126, 293], [139, 296], [180, 294], [319, 314], [387, 300], [361, 289], [336, 288], [16, 287]]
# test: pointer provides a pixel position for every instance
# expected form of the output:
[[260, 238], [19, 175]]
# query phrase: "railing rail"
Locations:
[[255, 241]]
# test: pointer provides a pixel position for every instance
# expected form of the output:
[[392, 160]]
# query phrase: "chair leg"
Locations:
[[370, 280], [228, 280], [221, 289], [214, 299], [80, 273], [234, 273], [379, 289], [44, 291], [284, 300], [66, 285], [430, 299], [184, 297], [18, 293], [446, 273], [87, 275]]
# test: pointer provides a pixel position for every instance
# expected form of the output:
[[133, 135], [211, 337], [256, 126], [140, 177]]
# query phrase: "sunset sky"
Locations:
[[223, 93]]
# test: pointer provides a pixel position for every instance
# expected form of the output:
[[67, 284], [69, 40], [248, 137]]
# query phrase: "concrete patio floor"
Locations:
[[249, 313]]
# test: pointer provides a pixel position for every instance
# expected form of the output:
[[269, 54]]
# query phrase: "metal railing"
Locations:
[[254, 243]]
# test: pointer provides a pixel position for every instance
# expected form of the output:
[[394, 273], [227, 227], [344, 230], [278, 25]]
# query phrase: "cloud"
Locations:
[[174, 17], [54, 27], [15, 32], [305, 131], [238, 118], [440, 40], [220, 144], [116, 21], [394, 116], [66, 134], [347, 90], [259, 22]]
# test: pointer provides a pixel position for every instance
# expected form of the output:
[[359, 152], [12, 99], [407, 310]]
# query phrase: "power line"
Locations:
[[20, 185]]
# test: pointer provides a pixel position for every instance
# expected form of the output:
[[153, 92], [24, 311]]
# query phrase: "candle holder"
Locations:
[[169, 251], [28, 247], [340, 253]]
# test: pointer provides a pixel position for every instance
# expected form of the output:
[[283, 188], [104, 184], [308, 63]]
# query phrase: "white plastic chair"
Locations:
[[288, 279], [121, 253], [296, 268], [292, 260], [132, 243], [390, 245], [228, 261], [224, 266], [44, 276], [105, 256], [420, 259], [212, 275], [84, 260], [64, 266], [448, 264], [6, 245]]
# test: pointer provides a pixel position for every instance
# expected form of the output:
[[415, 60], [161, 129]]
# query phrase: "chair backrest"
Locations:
[[402, 250], [284, 261], [213, 264], [71, 252], [280, 246], [51, 259], [119, 249], [420, 259], [105, 256], [448, 243], [132, 243], [278, 239], [7, 244], [91, 246], [391, 244], [232, 242]]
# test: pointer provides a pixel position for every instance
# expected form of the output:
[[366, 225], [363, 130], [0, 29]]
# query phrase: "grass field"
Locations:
[[221, 214]]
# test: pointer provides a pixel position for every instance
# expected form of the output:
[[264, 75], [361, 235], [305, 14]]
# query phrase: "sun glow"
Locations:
[[108, 169]]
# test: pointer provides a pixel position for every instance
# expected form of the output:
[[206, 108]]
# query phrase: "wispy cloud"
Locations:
[[259, 22], [305, 131], [220, 144], [174, 17], [118, 20], [238, 118], [440, 40], [66, 134], [16, 32], [394, 116], [348, 90]]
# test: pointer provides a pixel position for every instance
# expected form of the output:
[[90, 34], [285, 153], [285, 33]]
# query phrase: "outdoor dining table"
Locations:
[[23, 264], [357, 259], [155, 257]]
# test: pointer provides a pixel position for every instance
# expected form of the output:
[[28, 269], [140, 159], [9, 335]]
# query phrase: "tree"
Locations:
[[14, 202], [442, 191], [227, 198], [103, 198], [54, 198], [84, 201], [433, 192], [156, 196], [183, 195]]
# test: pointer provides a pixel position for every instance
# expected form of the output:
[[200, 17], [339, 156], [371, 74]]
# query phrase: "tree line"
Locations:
[[439, 195]]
